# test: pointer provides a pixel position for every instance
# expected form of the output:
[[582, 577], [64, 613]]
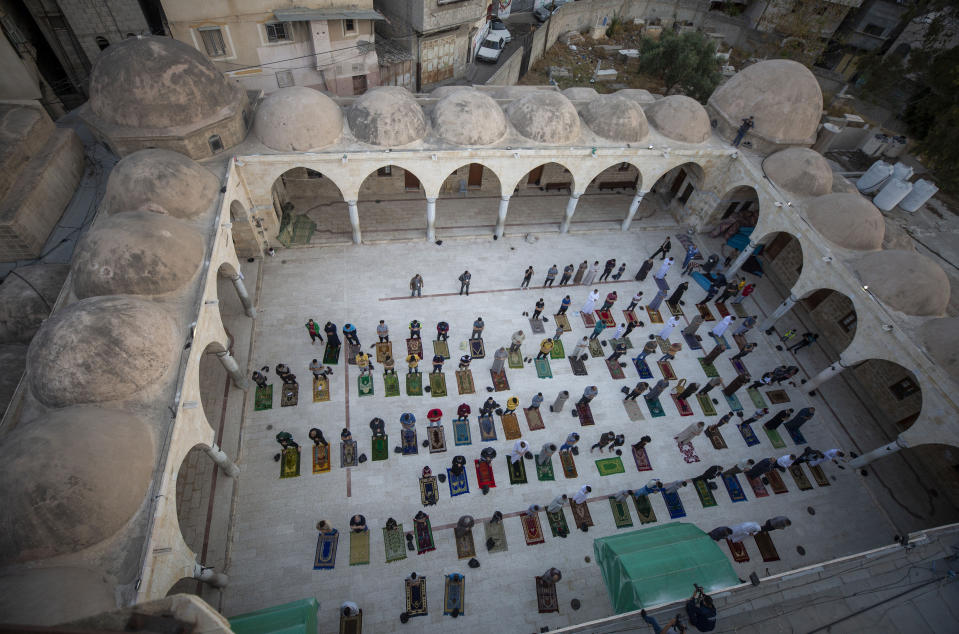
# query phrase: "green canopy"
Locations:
[[660, 564], [298, 617]]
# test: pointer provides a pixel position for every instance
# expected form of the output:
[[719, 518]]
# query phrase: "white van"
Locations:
[[491, 48]]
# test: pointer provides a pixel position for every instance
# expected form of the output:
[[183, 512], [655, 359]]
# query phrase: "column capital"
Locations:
[[351, 203], [431, 201], [504, 198], [575, 195]]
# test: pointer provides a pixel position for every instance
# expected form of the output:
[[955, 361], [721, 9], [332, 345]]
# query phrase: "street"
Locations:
[[519, 25]]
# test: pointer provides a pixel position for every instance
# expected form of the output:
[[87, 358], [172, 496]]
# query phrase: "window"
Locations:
[[213, 41], [874, 30], [349, 26], [102, 42], [359, 84], [278, 32], [216, 144], [848, 323], [903, 388], [385, 171], [284, 78]]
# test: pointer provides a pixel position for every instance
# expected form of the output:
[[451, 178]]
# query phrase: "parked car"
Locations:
[[491, 48], [541, 13], [497, 27]]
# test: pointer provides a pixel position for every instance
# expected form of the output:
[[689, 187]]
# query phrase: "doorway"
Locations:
[[475, 177], [535, 177], [411, 183]]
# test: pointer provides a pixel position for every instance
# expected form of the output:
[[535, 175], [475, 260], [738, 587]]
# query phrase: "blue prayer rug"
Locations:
[[461, 432], [325, 557], [458, 484], [748, 434], [674, 505], [735, 490]]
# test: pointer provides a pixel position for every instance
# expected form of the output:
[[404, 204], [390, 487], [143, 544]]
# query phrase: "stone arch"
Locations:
[[244, 236], [185, 585], [194, 482], [891, 391], [391, 204], [468, 201], [310, 208], [553, 183], [672, 189], [782, 258], [607, 194], [834, 317]]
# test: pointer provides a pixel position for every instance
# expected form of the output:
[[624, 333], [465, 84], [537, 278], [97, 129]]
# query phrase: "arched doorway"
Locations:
[[311, 209], [781, 258], [468, 203], [606, 200], [539, 200], [834, 317], [736, 215], [392, 205], [244, 239], [673, 189]]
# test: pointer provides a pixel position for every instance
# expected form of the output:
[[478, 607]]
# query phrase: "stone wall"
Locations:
[[508, 72], [110, 19]]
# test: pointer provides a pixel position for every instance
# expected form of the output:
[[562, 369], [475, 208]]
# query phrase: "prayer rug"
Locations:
[[721, 307], [353, 349], [321, 458], [537, 326], [464, 382], [360, 548], [391, 384], [500, 384], [595, 348], [546, 600], [331, 356], [733, 401], [819, 476], [776, 482], [515, 359], [654, 315], [585, 415], [569, 465], [325, 557], [777, 397], [544, 471], [429, 491], [621, 516], [705, 494], [289, 395], [423, 535], [609, 466], [624, 340], [738, 551], [465, 548], [741, 341], [674, 505], [775, 438], [484, 474], [394, 544], [631, 317], [414, 346], [716, 438], [615, 370], [720, 341], [641, 458], [437, 384], [532, 530], [739, 366], [693, 341], [563, 322], [534, 419], [263, 398], [511, 426], [458, 484], [477, 349], [675, 310], [580, 514], [642, 368], [707, 404], [437, 437], [543, 370], [756, 397], [348, 454], [557, 523], [383, 349], [796, 436], [739, 310], [655, 407], [766, 547], [633, 411], [487, 428], [364, 384], [661, 283], [558, 352], [517, 471], [414, 384], [454, 599], [759, 489], [408, 442], [644, 509], [416, 596], [748, 434], [735, 490], [682, 405], [321, 389], [708, 368], [496, 532], [381, 448], [607, 318], [588, 320], [290, 463], [461, 432], [663, 344], [799, 477], [441, 348], [704, 311], [689, 453]]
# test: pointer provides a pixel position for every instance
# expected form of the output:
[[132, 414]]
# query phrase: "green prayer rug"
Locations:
[[655, 407], [775, 438], [391, 383], [621, 516], [464, 382], [644, 509], [704, 492], [707, 404], [381, 448], [264, 398], [609, 466], [544, 471], [364, 384], [515, 358], [517, 471], [557, 523], [595, 348], [543, 370], [359, 548], [290, 463], [331, 356], [708, 368], [437, 384], [756, 397], [414, 384], [557, 352]]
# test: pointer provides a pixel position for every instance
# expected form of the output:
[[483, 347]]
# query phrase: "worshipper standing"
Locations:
[[638, 297], [416, 286], [332, 337], [663, 249], [668, 328], [598, 328], [608, 269], [808, 339], [591, 273], [464, 279], [690, 432], [619, 272], [382, 331], [478, 326], [551, 276], [580, 272], [588, 394], [538, 308], [801, 418], [527, 276], [590, 304], [579, 352], [537, 401], [636, 391], [314, 331], [747, 125], [545, 348], [644, 270], [567, 273], [721, 327], [564, 305], [744, 293], [663, 269]]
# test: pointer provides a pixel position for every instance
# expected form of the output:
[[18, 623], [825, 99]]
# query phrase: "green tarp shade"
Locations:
[[298, 617], [660, 564]]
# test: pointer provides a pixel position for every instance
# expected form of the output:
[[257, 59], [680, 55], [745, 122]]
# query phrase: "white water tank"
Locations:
[[874, 145], [922, 190], [891, 193], [902, 171], [896, 147], [874, 178]]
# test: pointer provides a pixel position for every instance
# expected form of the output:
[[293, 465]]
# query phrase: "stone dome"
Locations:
[[158, 82], [616, 118], [102, 467], [680, 118], [941, 340], [161, 181], [636, 94], [782, 95], [847, 220], [136, 253], [468, 117], [580, 93], [298, 119], [25, 595], [906, 281], [387, 116], [799, 170], [101, 349], [545, 116]]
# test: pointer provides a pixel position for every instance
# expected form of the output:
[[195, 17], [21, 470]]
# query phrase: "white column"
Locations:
[[501, 217], [885, 450], [781, 310], [244, 296], [633, 206], [431, 219], [222, 460], [355, 221], [570, 210], [823, 376], [740, 259], [229, 363], [210, 576]]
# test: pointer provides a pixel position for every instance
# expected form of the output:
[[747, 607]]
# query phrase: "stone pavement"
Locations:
[[273, 535]]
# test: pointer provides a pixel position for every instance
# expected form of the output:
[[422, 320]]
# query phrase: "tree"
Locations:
[[687, 61], [933, 115]]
